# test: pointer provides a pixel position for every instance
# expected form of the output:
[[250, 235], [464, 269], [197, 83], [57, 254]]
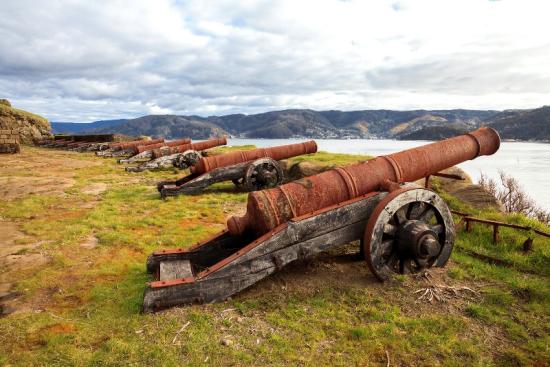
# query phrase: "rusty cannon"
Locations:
[[126, 148], [251, 170], [401, 228], [179, 156], [145, 148]]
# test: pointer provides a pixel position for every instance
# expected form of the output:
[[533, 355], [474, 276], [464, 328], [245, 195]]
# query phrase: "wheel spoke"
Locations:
[[415, 209], [385, 248], [400, 215], [392, 261], [427, 214], [389, 229], [438, 228]]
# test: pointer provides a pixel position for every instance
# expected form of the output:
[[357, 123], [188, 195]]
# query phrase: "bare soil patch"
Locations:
[[30, 173], [12, 188], [344, 269], [90, 242], [62, 161], [15, 260], [95, 188]]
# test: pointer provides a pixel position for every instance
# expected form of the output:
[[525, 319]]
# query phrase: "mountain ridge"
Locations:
[[422, 124]]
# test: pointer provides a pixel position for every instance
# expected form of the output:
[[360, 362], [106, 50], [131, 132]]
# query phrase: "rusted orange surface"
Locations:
[[277, 153], [270, 208]]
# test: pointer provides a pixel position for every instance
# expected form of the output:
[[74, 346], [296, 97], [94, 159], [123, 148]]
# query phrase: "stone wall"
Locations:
[[31, 128], [9, 139]]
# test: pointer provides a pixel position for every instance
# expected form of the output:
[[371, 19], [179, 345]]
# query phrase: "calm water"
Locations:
[[529, 163]]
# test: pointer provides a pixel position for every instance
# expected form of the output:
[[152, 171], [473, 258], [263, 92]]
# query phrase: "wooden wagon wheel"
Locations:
[[409, 230], [262, 174]]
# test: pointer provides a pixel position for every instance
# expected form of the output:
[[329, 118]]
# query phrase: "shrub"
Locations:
[[513, 197]]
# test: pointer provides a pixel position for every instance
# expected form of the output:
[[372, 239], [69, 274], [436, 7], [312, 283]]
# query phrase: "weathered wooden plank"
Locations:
[[175, 269], [195, 184], [204, 291], [299, 250], [316, 226], [205, 255]]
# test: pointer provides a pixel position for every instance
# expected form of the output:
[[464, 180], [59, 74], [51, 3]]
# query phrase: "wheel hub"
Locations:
[[416, 239], [262, 173]]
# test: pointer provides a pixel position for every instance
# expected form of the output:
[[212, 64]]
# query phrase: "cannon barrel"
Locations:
[[277, 153], [173, 143], [198, 146], [132, 144], [269, 208], [117, 144]]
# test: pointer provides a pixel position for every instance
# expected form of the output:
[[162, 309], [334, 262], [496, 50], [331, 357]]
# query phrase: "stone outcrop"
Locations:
[[466, 191], [30, 127]]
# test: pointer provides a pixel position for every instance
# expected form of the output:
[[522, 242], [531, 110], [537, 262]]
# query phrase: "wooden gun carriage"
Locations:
[[181, 156], [252, 169], [402, 228]]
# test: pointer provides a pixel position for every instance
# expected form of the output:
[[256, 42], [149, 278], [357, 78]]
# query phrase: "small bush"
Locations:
[[512, 195]]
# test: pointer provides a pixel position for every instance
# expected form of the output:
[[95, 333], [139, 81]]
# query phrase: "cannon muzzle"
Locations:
[[269, 208], [276, 153]]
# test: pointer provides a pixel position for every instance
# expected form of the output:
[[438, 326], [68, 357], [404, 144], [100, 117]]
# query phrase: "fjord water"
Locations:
[[529, 163]]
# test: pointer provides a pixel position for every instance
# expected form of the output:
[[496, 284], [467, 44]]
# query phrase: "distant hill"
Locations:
[[434, 133], [168, 126], [76, 128], [304, 123], [523, 124]]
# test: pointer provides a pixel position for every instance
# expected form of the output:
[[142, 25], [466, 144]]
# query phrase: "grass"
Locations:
[[82, 307], [330, 159]]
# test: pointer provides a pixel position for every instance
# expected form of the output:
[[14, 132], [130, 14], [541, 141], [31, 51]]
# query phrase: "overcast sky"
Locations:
[[88, 60]]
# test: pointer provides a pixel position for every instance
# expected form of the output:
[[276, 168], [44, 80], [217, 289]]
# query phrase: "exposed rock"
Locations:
[[227, 342], [466, 191], [90, 242], [31, 127], [478, 197]]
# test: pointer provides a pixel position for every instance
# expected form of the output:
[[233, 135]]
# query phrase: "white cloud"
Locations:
[[153, 109], [81, 60]]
